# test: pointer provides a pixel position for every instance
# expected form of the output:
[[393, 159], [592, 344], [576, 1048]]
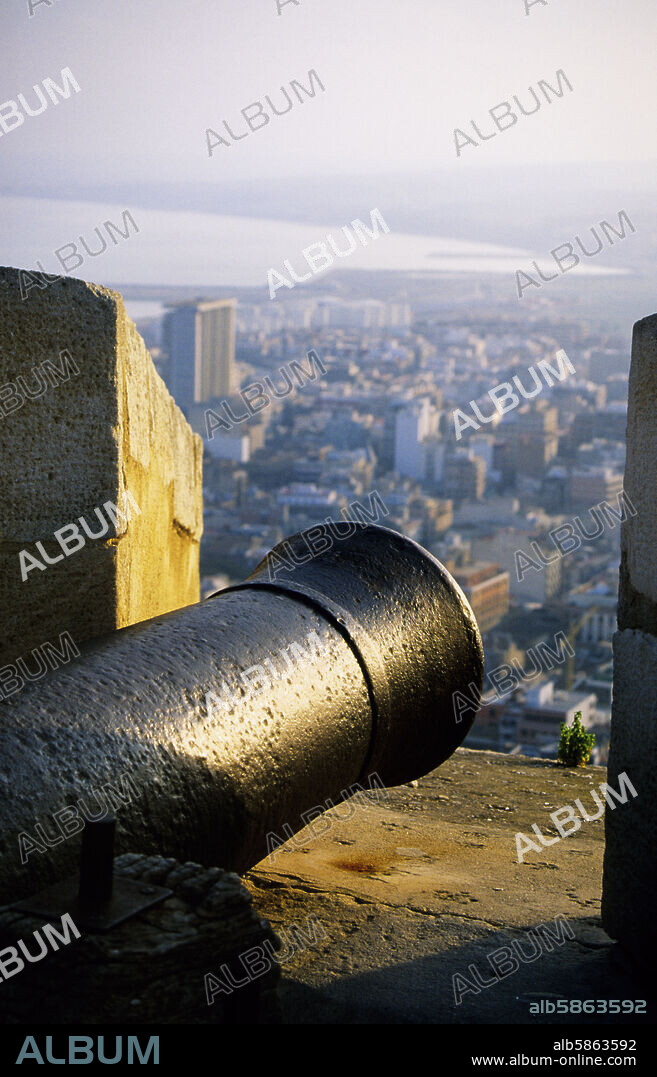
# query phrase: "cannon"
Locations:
[[232, 717]]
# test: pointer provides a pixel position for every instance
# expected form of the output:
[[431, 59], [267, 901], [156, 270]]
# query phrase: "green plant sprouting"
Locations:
[[575, 744]]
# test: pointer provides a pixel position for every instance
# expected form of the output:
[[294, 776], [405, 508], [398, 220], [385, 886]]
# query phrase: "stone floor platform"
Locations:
[[422, 887]]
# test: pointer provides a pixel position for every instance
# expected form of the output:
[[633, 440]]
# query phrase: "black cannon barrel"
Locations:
[[213, 726]]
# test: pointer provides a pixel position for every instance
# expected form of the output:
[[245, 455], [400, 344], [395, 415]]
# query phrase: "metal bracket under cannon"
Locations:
[[96, 899]]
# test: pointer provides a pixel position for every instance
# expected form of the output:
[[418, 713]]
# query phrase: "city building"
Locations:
[[590, 486], [502, 544], [597, 613], [464, 476], [544, 709], [234, 447], [415, 422], [532, 436], [487, 590], [200, 341], [483, 445], [611, 422], [307, 497]]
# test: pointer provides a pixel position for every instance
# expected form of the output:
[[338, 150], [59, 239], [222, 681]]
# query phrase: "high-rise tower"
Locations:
[[200, 340]]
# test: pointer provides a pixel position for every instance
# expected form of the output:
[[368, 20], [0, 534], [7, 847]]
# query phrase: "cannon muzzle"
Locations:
[[226, 721]]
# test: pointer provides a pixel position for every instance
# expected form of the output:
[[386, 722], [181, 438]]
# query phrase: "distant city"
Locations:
[[427, 405]]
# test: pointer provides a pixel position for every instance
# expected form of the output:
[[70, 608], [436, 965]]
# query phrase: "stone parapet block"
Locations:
[[630, 865], [86, 420]]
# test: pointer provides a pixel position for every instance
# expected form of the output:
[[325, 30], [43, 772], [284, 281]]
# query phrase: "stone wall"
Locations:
[[86, 424], [630, 865], [203, 955]]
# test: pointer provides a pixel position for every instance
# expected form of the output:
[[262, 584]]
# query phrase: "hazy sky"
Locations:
[[400, 75]]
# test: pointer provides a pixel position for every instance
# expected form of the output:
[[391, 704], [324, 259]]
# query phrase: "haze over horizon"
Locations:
[[398, 80]]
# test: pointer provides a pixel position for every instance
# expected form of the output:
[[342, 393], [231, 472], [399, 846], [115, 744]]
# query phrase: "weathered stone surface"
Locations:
[[425, 886], [630, 874], [150, 969], [637, 598], [89, 438], [630, 865], [449, 846]]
